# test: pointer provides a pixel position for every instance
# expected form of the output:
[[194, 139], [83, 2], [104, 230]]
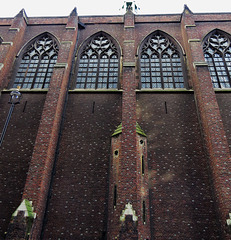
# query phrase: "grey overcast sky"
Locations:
[[106, 7]]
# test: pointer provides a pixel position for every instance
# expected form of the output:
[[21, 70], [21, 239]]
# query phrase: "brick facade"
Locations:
[[59, 150]]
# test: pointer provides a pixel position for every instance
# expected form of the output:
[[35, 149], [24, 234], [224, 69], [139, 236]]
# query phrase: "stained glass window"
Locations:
[[36, 66], [217, 52], [160, 63], [98, 64]]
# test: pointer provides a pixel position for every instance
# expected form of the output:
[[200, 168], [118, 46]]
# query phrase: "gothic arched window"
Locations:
[[217, 52], [161, 64], [37, 62], [98, 66]]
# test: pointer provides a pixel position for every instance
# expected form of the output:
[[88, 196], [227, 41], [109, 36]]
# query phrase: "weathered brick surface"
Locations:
[[14, 40], [224, 100], [181, 199], [78, 205], [16, 150], [215, 140], [114, 182], [143, 206], [40, 170]]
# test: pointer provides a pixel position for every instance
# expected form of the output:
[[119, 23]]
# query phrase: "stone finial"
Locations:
[[22, 14], [74, 12], [22, 220], [138, 130], [228, 221], [27, 208], [128, 211], [130, 6], [187, 10]]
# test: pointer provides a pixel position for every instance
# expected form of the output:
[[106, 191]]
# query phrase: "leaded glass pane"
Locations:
[[37, 64], [218, 56], [98, 64], [160, 62]]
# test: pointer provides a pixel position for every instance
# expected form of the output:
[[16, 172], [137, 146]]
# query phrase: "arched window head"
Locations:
[[217, 52], [37, 62], [98, 66], [160, 63]]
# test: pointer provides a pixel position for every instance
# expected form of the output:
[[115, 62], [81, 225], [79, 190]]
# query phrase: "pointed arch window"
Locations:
[[37, 63], [217, 52], [161, 63], [98, 64]]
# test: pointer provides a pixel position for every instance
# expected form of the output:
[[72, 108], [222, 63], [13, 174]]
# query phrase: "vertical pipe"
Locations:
[[6, 123]]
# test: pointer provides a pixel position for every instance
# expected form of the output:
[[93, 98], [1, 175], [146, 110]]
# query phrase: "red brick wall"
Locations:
[[78, 205], [178, 163], [16, 150], [13, 41], [180, 190], [40, 171], [216, 144], [143, 209], [224, 100], [114, 182]]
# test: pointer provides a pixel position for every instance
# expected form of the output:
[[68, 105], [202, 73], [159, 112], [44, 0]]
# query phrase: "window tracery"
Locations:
[[217, 52], [98, 64], [36, 66], [160, 63]]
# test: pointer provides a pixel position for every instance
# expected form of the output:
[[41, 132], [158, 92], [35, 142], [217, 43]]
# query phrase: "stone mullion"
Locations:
[[172, 73], [210, 119], [226, 68], [161, 71], [211, 57], [150, 66], [108, 71], [36, 71]]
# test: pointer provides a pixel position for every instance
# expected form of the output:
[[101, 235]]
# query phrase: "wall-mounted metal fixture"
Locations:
[[15, 97]]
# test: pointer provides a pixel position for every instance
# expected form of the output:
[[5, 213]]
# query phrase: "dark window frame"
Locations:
[[98, 66], [35, 64], [216, 47], [174, 75]]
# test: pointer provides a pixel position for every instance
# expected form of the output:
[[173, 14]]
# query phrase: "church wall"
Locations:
[[77, 208], [181, 202], [181, 199], [16, 150], [223, 100], [115, 30]]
